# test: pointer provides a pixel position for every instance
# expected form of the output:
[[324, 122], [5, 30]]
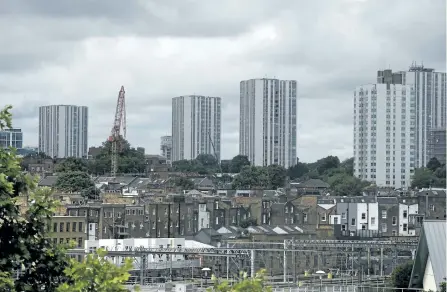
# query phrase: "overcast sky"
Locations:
[[81, 52]]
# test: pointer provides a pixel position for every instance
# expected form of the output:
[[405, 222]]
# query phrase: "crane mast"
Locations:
[[118, 124]]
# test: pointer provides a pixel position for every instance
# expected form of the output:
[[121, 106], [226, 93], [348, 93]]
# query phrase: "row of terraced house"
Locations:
[[131, 207]]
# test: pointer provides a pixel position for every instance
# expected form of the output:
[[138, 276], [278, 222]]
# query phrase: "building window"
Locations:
[[67, 227], [363, 226], [383, 227], [405, 227], [81, 229], [373, 220], [405, 213], [73, 228], [432, 207], [304, 217], [363, 216], [394, 232], [217, 220], [343, 227], [394, 220], [61, 227], [80, 242], [323, 217], [55, 227], [343, 215], [353, 221], [383, 214]]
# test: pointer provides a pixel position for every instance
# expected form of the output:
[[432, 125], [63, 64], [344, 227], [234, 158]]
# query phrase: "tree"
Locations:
[[238, 162], [276, 176], [327, 163], [251, 177], [76, 182], [400, 277], [248, 222], [258, 177], [96, 274], [433, 164], [24, 243], [299, 170], [348, 166], [72, 164], [183, 183], [442, 286], [208, 161], [345, 185], [130, 160], [424, 178], [256, 284]]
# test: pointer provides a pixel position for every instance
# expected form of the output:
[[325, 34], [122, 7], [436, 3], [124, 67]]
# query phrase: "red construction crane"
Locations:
[[120, 122]]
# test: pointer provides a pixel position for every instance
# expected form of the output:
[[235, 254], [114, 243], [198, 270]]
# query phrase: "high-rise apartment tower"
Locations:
[[166, 148], [430, 105], [268, 121], [384, 134], [196, 126], [63, 130]]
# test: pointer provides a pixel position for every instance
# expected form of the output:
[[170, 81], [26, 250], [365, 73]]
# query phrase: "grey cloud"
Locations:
[[328, 46]]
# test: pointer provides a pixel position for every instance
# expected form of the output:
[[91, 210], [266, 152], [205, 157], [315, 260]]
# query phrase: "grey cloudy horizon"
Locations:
[[81, 52]]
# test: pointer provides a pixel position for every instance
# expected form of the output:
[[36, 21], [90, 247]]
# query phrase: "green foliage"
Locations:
[[329, 169], [258, 177], [425, 178], [248, 222], [433, 164], [130, 160], [246, 284], [96, 274], [203, 164], [238, 162], [24, 245], [344, 184], [298, 171], [400, 277], [6, 282], [76, 181], [183, 183], [442, 287], [71, 164]]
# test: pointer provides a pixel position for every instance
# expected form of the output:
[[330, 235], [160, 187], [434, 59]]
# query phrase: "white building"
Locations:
[[268, 121], [430, 92], [63, 130], [196, 126], [166, 148], [154, 261], [384, 134], [405, 212]]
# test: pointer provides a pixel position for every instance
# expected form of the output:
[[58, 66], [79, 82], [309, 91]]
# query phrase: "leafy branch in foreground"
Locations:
[[29, 261], [256, 284], [97, 274]]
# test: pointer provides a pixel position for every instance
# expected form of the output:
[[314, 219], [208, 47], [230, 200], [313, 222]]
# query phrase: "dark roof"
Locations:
[[432, 245], [124, 180], [363, 199], [387, 200], [48, 181], [440, 193]]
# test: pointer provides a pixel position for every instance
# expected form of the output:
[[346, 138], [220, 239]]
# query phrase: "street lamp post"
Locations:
[[321, 274]]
